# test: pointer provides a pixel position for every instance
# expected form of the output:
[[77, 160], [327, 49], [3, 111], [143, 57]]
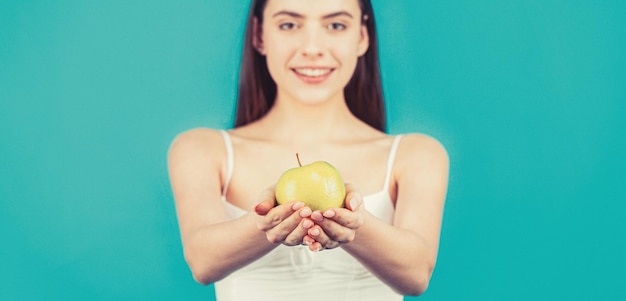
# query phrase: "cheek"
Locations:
[[273, 67], [278, 67], [277, 59], [346, 49], [347, 54]]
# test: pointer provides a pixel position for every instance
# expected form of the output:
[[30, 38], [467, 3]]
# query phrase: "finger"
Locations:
[[333, 231], [343, 217], [279, 213], [313, 244], [321, 237], [280, 232], [353, 198], [296, 237], [317, 216], [317, 246], [267, 201], [308, 240]]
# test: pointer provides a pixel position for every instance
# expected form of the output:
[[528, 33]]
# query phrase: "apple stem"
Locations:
[[298, 158]]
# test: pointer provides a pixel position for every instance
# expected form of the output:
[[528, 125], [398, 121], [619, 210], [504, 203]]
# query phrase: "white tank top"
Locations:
[[296, 273]]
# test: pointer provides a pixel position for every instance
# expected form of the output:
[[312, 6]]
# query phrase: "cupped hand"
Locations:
[[336, 226], [286, 223]]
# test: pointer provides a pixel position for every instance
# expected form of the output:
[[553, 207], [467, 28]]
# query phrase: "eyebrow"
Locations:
[[299, 16]]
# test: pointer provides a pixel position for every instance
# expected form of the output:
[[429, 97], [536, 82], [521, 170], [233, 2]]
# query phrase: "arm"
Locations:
[[403, 255], [215, 246]]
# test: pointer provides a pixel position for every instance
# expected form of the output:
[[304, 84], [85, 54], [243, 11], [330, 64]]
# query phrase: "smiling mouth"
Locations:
[[313, 72]]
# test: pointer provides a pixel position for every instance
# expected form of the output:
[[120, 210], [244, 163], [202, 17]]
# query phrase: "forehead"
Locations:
[[312, 8]]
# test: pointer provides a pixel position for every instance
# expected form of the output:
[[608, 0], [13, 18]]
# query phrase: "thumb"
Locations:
[[263, 207], [354, 201], [353, 198], [266, 201]]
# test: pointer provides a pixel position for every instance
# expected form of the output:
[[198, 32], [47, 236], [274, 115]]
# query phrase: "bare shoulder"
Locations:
[[194, 139], [423, 144], [202, 144], [420, 150]]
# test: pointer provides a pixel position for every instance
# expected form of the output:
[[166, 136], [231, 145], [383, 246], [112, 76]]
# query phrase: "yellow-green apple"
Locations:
[[319, 185]]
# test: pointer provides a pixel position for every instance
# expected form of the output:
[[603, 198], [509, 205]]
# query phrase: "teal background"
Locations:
[[528, 97]]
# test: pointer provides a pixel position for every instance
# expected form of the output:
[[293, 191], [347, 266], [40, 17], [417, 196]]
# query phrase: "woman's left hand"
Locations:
[[336, 226]]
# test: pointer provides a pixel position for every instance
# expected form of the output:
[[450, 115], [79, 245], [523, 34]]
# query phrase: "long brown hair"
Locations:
[[257, 89]]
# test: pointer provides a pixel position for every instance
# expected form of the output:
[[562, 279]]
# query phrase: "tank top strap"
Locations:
[[230, 160], [391, 159]]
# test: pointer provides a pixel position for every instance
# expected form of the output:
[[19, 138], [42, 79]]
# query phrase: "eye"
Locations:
[[287, 26], [335, 26]]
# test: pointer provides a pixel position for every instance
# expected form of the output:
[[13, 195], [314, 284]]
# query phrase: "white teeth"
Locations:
[[312, 72]]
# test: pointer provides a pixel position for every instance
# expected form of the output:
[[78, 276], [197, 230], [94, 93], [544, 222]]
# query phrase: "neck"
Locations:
[[297, 122]]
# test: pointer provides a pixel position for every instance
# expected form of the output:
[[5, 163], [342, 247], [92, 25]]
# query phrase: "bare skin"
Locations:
[[319, 126]]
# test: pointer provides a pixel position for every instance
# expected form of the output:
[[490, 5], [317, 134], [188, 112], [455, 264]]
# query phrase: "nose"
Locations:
[[313, 43]]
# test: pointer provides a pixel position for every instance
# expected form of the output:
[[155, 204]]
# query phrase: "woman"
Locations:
[[309, 84]]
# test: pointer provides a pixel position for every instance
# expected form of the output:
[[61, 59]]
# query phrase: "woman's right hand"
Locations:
[[287, 223]]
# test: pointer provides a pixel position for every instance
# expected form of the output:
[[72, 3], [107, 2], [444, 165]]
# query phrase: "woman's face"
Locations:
[[312, 46]]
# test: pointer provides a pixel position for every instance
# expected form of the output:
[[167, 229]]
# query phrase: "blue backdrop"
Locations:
[[528, 97]]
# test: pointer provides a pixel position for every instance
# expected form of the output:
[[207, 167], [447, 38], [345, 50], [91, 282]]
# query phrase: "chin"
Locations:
[[315, 97]]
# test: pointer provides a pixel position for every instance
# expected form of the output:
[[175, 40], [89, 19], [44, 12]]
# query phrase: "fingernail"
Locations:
[[329, 213], [317, 216], [315, 232], [307, 224], [297, 205], [354, 203], [305, 212]]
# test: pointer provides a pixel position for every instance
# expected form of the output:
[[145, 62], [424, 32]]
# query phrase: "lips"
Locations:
[[312, 74]]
